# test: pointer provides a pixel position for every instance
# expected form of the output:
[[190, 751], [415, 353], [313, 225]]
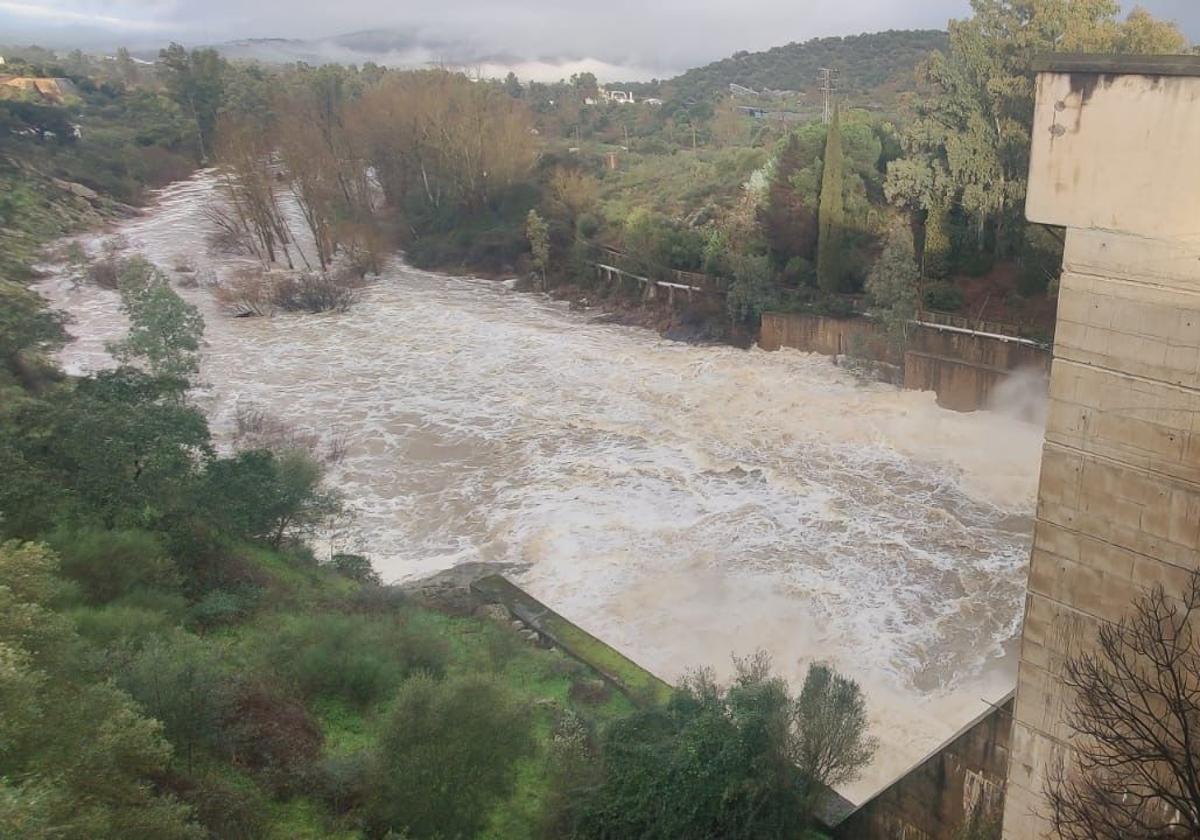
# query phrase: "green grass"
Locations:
[[302, 819]]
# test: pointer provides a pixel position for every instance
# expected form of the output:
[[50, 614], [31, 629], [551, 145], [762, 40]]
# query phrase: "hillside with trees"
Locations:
[[872, 67]]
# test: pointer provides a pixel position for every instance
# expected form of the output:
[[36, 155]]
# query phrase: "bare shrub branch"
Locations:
[[1135, 768], [255, 428]]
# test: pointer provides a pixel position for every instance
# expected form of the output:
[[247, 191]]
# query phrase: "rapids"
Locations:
[[684, 503]]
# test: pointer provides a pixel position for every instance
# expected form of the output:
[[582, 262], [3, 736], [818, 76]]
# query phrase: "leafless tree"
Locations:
[[250, 214], [1135, 766]]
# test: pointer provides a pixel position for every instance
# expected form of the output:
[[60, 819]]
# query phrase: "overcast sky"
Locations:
[[663, 35]]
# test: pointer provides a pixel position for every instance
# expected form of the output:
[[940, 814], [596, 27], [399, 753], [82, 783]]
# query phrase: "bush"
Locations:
[[358, 658], [355, 567], [943, 297], [975, 262], [105, 270], [229, 812], [342, 781], [109, 564], [587, 225], [245, 293], [182, 682], [446, 756], [312, 291], [740, 762], [220, 607], [271, 734], [116, 623]]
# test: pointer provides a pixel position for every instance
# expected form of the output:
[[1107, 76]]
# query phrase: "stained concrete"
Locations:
[[962, 367], [1114, 161]]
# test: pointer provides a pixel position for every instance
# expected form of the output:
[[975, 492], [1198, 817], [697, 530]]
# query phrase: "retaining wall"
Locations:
[[933, 800], [962, 367]]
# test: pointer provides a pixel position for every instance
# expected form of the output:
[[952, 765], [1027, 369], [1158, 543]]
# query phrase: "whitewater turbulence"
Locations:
[[683, 503]]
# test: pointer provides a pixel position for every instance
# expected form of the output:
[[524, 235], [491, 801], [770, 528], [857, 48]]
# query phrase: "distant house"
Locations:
[[624, 97]]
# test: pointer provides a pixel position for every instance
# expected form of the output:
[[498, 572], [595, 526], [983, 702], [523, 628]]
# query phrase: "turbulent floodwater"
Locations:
[[684, 503]]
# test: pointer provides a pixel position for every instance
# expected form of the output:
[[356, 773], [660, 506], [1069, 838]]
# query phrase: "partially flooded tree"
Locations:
[[1135, 766], [324, 166], [164, 329], [250, 214], [439, 140]]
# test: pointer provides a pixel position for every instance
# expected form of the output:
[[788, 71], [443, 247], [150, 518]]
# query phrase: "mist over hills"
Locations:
[[411, 48], [868, 64]]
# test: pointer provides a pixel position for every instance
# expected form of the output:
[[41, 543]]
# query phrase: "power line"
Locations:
[[828, 78]]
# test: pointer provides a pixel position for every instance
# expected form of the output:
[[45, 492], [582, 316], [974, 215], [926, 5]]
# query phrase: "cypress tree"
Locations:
[[831, 215]]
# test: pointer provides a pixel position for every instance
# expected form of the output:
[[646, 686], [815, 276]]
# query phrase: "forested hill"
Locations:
[[870, 66]]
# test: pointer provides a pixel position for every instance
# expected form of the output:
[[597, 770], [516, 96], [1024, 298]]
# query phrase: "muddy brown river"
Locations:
[[684, 503]]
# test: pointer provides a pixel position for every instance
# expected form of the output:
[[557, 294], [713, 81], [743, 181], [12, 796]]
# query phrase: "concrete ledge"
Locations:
[[618, 670]]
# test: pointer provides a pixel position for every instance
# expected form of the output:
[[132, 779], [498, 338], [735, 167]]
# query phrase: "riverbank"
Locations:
[[682, 502]]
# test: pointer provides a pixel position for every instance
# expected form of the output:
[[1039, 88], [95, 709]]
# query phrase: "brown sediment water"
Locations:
[[684, 503]]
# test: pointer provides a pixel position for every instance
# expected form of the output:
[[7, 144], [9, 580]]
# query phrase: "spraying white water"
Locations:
[[683, 503]]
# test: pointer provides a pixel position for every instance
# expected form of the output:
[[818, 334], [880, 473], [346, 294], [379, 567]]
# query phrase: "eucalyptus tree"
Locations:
[[969, 146]]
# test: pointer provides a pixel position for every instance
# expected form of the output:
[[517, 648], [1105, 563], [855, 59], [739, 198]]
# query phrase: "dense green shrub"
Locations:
[[183, 683], [355, 567], [359, 658], [446, 755], [747, 761], [110, 564], [114, 624], [219, 607], [943, 297]]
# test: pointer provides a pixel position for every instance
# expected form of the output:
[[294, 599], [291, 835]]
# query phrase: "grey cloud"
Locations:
[[659, 36]]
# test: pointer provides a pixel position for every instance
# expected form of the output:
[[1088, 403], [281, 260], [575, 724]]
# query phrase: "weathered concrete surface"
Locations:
[[962, 367], [826, 335], [1115, 151], [934, 799], [614, 667], [1119, 500]]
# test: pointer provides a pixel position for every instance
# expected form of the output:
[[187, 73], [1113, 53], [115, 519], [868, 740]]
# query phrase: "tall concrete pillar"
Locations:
[[1116, 161]]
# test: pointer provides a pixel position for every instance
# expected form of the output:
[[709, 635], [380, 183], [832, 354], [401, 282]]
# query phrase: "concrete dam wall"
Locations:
[[963, 367]]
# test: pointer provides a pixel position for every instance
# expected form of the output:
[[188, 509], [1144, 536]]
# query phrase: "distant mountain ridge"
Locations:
[[872, 65]]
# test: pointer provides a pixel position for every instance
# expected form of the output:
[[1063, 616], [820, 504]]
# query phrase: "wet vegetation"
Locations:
[[175, 661]]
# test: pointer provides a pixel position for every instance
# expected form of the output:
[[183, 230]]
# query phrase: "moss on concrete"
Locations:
[[638, 684]]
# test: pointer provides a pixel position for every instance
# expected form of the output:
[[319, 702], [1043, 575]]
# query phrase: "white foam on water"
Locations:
[[683, 503]]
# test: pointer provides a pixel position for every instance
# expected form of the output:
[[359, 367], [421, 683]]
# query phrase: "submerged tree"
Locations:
[[831, 217], [1135, 766], [250, 215], [164, 329]]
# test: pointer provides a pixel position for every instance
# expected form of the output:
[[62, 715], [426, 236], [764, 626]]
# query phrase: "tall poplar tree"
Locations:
[[831, 214]]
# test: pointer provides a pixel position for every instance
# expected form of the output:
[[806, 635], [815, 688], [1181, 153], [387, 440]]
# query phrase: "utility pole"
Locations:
[[828, 78]]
